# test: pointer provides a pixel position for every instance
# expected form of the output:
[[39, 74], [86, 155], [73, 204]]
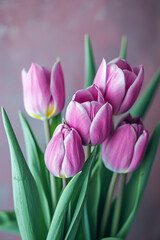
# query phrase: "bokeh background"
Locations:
[[42, 30]]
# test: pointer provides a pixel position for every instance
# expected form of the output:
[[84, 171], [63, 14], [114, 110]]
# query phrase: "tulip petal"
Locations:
[[115, 89], [100, 78], [121, 63], [117, 152], [57, 87], [139, 151], [77, 117], [129, 78], [101, 125], [74, 154], [132, 92], [54, 154], [89, 94]]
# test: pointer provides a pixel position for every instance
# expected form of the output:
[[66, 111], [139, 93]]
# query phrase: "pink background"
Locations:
[[41, 31]]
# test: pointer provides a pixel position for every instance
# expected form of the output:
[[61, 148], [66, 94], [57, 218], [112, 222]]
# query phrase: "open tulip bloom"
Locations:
[[66, 192]]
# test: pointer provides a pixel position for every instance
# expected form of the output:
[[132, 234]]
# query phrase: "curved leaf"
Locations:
[[90, 70], [141, 106], [123, 50], [76, 187], [8, 222], [91, 211], [27, 203], [35, 159]]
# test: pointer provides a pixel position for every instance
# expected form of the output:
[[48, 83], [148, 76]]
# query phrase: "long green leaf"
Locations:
[[90, 70], [93, 196], [123, 50], [136, 185], [35, 159], [27, 203], [8, 222], [105, 178], [142, 105], [77, 186]]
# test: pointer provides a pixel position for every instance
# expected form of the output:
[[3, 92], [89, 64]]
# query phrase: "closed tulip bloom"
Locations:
[[64, 155], [90, 115], [119, 83], [124, 150], [43, 91]]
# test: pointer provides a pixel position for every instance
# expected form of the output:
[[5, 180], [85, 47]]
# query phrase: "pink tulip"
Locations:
[[119, 83], [64, 156], [90, 115], [124, 150], [43, 91]]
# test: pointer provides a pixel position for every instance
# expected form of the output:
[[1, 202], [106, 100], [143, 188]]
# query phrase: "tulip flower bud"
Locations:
[[64, 155], [124, 150], [119, 83], [43, 91], [90, 115]]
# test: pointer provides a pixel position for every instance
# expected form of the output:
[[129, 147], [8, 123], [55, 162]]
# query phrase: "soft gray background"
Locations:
[[42, 30]]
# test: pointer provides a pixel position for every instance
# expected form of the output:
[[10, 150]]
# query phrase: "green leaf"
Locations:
[[27, 203], [8, 222], [91, 211], [123, 50], [105, 179], [54, 122], [35, 159], [136, 185], [76, 187], [90, 70], [142, 105]]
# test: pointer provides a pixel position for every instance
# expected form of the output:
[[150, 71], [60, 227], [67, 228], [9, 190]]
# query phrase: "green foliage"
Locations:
[[27, 204], [76, 187], [142, 105], [35, 159], [123, 50], [8, 222], [89, 63]]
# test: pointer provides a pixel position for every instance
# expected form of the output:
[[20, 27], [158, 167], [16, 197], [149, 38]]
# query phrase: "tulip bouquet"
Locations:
[[89, 181]]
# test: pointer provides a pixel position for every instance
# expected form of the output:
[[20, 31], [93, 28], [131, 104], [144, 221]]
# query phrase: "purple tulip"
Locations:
[[43, 91], [90, 115], [64, 155], [119, 83], [124, 150]]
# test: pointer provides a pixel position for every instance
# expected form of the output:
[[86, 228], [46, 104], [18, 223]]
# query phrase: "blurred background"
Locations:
[[42, 30]]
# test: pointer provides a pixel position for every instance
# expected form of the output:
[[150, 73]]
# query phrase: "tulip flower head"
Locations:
[[43, 91], [90, 115], [124, 150], [64, 155], [120, 83]]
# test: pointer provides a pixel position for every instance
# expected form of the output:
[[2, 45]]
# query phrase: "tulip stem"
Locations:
[[52, 178], [47, 130], [117, 210], [88, 151], [108, 202], [64, 182]]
